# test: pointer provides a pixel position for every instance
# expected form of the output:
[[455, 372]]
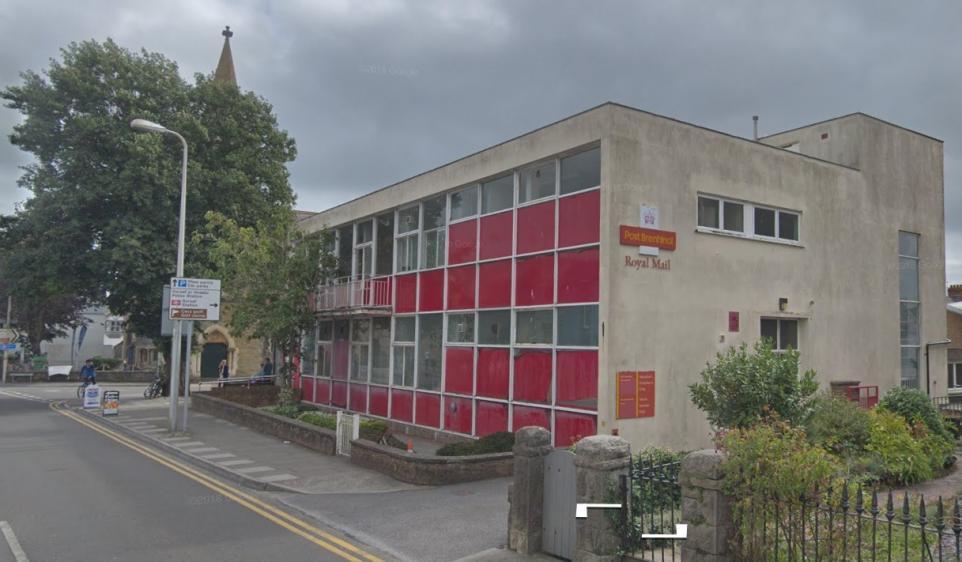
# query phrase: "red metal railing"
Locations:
[[865, 396], [354, 293]]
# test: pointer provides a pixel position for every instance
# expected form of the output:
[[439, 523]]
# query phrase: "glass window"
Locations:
[[535, 327], [380, 350], [325, 331], [537, 182], [910, 367], [361, 331], [324, 361], [764, 222], [497, 194], [464, 203], [708, 212], [578, 325], [385, 244], [345, 247], [908, 279], [365, 233], [407, 253], [769, 331], [461, 328], [308, 350], [494, 327], [783, 334], [404, 329], [404, 365], [955, 375], [433, 254], [434, 213], [734, 217], [359, 358], [787, 225], [407, 220], [908, 244], [429, 352], [581, 171], [909, 323]]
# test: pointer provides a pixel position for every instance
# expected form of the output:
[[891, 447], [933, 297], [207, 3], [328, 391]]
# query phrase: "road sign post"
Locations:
[[194, 299]]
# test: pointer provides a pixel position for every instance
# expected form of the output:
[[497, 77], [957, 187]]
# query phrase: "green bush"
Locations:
[[914, 406], [902, 458], [286, 410], [500, 442], [106, 363], [745, 386], [317, 418], [838, 425], [373, 430]]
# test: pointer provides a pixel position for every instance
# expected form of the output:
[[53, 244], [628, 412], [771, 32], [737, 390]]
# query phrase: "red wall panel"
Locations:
[[323, 393], [493, 372], [307, 388], [492, 417], [457, 414], [532, 376], [535, 284], [525, 416], [579, 219], [431, 287], [406, 296], [378, 401], [578, 272], [428, 409], [358, 394], [577, 377], [494, 284], [496, 235], [570, 428], [339, 394], [462, 242], [536, 228], [459, 370], [342, 351], [461, 287], [402, 402]]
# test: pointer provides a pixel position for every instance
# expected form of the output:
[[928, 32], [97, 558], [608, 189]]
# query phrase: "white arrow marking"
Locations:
[[681, 532], [581, 510]]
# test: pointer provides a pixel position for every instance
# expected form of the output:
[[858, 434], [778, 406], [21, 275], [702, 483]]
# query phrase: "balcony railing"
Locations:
[[351, 293]]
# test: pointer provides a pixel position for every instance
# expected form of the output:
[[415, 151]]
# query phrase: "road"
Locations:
[[70, 492]]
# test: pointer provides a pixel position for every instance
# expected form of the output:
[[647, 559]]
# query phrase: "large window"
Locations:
[[537, 182], [308, 351], [429, 351], [360, 349], [581, 171], [364, 249], [955, 375], [384, 260], [380, 350], [464, 203], [345, 245], [325, 335], [535, 327], [497, 194], [408, 224], [461, 328], [782, 333], [747, 219], [909, 306], [404, 334], [432, 254], [494, 327], [578, 325]]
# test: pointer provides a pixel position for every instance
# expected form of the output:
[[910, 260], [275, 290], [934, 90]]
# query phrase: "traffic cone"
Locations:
[[410, 446]]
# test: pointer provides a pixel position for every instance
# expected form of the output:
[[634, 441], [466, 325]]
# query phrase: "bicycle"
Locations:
[[83, 386], [154, 389]]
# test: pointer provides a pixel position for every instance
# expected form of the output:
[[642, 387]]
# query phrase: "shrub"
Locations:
[[838, 425], [914, 406], [744, 386], [902, 458], [286, 410], [373, 430], [106, 363], [317, 418], [500, 442]]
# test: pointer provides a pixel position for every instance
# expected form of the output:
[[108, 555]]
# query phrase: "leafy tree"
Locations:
[[268, 273], [101, 225], [744, 386]]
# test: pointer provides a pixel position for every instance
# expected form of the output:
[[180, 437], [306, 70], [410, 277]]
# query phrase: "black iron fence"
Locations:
[[847, 523], [651, 495]]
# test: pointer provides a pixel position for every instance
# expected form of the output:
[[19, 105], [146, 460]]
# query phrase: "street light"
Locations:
[[151, 127]]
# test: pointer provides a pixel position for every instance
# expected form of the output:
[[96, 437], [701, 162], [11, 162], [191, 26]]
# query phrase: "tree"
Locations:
[[103, 216], [745, 386], [268, 273]]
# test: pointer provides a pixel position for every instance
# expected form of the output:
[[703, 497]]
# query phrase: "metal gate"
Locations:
[[558, 520], [348, 429]]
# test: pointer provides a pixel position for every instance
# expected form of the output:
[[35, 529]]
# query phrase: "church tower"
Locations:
[[225, 66]]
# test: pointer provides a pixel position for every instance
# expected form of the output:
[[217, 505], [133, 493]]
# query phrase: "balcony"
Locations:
[[351, 296]]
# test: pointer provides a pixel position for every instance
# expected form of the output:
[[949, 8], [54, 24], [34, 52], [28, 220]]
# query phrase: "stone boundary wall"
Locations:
[[304, 434], [253, 396], [401, 428], [102, 376], [430, 470]]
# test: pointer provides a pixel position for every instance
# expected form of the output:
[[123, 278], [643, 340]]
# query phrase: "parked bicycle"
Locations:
[[155, 389]]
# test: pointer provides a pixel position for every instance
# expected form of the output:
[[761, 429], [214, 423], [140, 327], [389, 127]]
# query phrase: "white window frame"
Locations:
[[777, 348], [918, 301], [440, 234], [955, 379], [409, 347], [748, 220], [403, 237]]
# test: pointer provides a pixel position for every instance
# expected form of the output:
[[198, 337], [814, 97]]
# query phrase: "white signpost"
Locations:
[[194, 299]]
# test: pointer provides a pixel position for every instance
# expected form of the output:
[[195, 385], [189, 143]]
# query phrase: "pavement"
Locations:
[[400, 521]]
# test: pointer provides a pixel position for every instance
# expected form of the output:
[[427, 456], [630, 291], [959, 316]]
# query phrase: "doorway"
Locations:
[[210, 358]]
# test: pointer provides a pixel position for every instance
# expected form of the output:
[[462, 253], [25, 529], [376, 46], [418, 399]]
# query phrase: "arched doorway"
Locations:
[[210, 358]]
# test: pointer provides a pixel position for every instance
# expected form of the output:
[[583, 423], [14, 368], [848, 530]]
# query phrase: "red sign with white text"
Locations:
[[635, 394]]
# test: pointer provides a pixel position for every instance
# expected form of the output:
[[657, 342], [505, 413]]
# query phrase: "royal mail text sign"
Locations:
[[635, 394], [636, 236]]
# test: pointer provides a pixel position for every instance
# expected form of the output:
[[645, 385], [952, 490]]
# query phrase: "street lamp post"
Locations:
[[151, 127]]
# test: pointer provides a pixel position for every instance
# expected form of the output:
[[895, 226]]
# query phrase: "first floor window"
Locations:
[[429, 351], [360, 349], [535, 327], [461, 328], [955, 375], [578, 325], [403, 365], [380, 350], [407, 253], [308, 351], [783, 334], [494, 327], [708, 210]]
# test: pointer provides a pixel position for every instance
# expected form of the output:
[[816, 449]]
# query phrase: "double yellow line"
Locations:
[[277, 516]]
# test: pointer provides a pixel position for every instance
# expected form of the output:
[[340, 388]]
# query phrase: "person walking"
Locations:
[[268, 368], [222, 372]]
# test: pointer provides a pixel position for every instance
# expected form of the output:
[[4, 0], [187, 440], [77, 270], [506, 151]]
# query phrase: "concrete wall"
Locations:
[[58, 350]]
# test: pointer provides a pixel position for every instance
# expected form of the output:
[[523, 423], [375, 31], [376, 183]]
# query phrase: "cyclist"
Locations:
[[89, 373]]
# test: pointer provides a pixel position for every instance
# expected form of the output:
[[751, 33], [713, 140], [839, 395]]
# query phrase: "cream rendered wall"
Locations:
[[842, 281]]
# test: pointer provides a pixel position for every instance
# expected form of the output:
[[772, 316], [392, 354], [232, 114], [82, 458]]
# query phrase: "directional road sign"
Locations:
[[9, 346], [194, 299]]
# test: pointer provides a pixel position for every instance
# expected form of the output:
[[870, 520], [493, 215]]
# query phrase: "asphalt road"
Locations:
[[69, 492]]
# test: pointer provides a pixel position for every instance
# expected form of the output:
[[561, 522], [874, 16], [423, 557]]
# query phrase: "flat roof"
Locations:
[[855, 114]]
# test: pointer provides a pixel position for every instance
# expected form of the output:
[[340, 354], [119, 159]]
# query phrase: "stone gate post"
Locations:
[[705, 508], [599, 460], [526, 494]]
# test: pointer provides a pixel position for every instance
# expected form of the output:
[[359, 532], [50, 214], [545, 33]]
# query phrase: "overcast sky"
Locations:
[[377, 91]]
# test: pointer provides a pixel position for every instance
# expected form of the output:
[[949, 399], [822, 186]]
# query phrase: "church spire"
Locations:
[[225, 66]]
